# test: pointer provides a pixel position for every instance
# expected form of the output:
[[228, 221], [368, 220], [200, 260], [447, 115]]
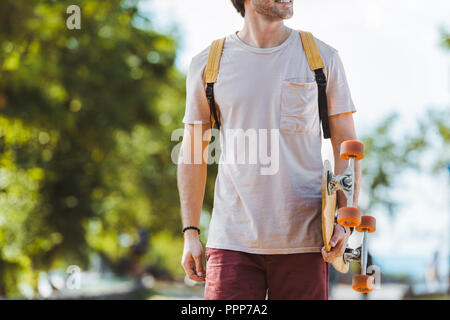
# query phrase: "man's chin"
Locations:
[[286, 15]]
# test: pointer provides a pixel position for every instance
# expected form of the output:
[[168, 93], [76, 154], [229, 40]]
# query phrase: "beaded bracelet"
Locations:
[[191, 227]]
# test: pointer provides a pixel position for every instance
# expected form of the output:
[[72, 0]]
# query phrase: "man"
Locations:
[[265, 234]]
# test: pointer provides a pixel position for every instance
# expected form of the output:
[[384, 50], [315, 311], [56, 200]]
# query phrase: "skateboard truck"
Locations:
[[350, 216], [343, 182], [352, 255]]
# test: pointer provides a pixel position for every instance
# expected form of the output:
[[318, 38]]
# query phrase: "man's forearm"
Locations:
[[191, 187], [192, 179]]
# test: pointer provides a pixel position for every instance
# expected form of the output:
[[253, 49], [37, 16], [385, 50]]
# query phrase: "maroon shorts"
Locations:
[[235, 275]]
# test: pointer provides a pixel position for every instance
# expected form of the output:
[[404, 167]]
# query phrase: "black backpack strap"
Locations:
[[212, 104], [323, 104], [316, 64], [211, 72]]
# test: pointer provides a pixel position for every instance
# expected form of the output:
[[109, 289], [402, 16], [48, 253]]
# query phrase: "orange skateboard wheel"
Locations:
[[352, 148], [368, 223], [349, 216], [362, 283]]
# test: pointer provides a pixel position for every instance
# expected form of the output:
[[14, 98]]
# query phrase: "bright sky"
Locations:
[[393, 61]]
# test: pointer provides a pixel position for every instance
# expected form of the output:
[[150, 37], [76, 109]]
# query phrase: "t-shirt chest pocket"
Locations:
[[299, 106]]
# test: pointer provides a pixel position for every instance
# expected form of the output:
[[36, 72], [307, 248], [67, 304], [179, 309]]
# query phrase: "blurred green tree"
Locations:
[[391, 153], [85, 123]]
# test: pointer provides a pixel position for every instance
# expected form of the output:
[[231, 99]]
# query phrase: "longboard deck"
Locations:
[[328, 213]]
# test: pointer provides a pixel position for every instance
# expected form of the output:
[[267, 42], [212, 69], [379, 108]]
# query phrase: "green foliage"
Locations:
[[389, 154], [445, 38], [386, 157], [165, 254], [85, 123]]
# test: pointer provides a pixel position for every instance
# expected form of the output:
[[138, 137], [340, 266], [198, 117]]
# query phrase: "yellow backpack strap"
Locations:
[[311, 51], [212, 66], [211, 72], [316, 64]]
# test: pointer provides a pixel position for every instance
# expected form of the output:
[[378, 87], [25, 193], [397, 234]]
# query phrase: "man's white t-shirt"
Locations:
[[272, 89]]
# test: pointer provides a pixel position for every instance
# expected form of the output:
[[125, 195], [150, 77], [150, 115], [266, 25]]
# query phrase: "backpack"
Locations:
[[315, 63]]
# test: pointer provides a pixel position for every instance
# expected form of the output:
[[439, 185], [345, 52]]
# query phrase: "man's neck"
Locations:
[[262, 33]]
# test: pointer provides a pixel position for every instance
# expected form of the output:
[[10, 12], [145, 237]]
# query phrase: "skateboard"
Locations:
[[349, 216]]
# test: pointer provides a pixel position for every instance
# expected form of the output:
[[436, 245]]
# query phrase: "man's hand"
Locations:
[[338, 243], [192, 260]]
